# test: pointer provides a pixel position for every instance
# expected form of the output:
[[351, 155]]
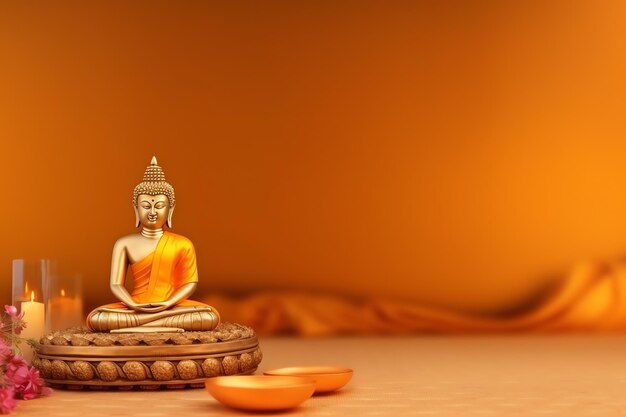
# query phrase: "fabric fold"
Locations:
[[591, 298]]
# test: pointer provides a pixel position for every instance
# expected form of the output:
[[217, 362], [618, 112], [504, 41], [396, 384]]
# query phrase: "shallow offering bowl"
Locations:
[[261, 393], [327, 378]]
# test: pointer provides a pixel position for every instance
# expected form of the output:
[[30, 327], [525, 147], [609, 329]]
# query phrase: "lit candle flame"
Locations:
[[32, 296], [62, 292]]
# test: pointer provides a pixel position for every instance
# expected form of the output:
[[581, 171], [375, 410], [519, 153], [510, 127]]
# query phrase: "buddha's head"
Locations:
[[153, 199]]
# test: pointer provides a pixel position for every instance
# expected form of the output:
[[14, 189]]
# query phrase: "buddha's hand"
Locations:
[[152, 307]]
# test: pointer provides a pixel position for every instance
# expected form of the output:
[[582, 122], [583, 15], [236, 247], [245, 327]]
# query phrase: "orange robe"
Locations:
[[160, 274]]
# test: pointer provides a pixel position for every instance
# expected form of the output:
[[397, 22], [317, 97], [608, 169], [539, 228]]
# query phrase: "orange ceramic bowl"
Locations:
[[327, 378], [260, 393]]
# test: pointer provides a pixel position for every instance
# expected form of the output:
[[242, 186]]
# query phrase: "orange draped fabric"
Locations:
[[171, 265], [158, 275], [591, 298]]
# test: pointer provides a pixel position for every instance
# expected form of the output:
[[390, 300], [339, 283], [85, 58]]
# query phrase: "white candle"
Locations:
[[35, 318]]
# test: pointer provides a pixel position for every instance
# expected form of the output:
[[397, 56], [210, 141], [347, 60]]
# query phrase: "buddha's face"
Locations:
[[153, 210]]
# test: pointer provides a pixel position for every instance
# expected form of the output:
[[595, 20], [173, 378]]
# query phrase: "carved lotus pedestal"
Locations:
[[80, 359]]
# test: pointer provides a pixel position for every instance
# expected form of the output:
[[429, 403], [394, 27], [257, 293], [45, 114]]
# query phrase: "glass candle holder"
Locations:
[[65, 300], [29, 295]]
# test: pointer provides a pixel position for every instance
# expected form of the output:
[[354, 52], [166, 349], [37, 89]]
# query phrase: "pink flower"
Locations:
[[12, 311], [17, 321], [5, 351], [17, 329], [28, 384], [14, 365], [7, 400]]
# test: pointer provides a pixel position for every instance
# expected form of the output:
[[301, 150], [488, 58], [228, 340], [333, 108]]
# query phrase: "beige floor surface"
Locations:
[[574, 375]]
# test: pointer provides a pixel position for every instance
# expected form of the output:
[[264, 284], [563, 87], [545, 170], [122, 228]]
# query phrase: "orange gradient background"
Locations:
[[459, 154]]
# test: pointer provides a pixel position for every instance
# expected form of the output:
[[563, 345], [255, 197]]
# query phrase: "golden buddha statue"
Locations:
[[163, 266]]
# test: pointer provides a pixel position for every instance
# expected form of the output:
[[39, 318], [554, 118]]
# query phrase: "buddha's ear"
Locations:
[[137, 221], [169, 217]]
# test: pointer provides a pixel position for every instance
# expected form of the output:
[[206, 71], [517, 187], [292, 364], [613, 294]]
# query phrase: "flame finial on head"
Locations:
[[154, 173]]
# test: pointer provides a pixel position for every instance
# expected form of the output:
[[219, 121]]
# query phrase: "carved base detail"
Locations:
[[73, 360]]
